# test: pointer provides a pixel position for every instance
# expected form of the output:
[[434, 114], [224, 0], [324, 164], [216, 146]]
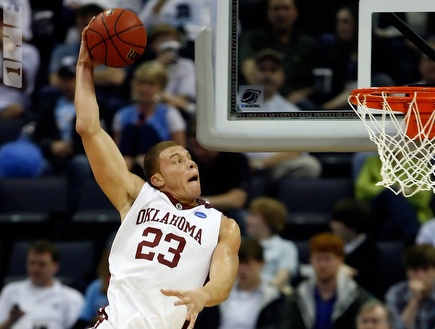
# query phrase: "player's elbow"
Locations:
[[86, 127]]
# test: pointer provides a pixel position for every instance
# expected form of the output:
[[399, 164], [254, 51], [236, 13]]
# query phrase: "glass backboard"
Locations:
[[230, 112]]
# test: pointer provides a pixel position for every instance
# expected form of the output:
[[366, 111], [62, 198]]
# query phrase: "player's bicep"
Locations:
[[225, 261], [110, 170]]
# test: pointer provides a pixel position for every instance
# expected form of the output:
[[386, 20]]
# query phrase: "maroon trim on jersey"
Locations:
[[185, 325], [183, 206], [103, 316]]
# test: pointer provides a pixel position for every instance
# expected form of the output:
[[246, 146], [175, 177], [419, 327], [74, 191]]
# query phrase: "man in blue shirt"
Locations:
[[329, 298]]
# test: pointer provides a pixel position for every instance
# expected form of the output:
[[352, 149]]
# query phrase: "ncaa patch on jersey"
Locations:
[[200, 214]]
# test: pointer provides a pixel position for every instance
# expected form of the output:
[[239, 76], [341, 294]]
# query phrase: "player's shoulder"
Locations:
[[229, 225]]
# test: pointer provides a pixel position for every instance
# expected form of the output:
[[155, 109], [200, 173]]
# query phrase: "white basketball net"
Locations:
[[408, 164]]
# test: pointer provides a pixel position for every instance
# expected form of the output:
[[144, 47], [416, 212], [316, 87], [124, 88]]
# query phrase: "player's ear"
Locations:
[[157, 180]]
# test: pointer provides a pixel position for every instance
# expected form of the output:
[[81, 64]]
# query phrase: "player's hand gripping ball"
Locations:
[[116, 37]]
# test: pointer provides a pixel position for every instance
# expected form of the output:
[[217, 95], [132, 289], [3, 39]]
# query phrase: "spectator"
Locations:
[[426, 66], [188, 16], [340, 54], [395, 216], [426, 233], [265, 220], [350, 220], [373, 315], [268, 73], [21, 159], [329, 299], [281, 34], [180, 92], [412, 302], [18, 57], [133, 5], [138, 126], [274, 166], [252, 303], [225, 177], [56, 135], [41, 301]]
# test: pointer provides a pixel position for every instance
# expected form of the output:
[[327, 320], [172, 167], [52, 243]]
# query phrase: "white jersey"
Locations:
[[158, 245]]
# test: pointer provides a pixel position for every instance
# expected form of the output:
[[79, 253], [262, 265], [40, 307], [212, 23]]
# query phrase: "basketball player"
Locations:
[[168, 241]]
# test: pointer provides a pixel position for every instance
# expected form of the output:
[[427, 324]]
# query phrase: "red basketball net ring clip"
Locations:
[[401, 122]]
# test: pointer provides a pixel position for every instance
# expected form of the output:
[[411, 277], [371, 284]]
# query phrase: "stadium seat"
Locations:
[[10, 130], [94, 206], [392, 269], [32, 199], [94, 214], [257, 188], [76, 262], [309, 202]]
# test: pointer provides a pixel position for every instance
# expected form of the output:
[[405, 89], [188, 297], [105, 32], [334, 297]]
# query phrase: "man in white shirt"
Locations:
[[40, 301], [269, 76]]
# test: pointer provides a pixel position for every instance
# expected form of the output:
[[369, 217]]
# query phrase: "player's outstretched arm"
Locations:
[[223, 271], [108, 165]]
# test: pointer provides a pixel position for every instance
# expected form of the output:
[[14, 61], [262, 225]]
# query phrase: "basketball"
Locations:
[[116, 37]]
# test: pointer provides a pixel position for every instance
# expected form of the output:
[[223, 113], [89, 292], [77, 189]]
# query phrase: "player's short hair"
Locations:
[[327, 242], [152, 71], [355, 214], [45, 246], [250, 249], [419, 256], [151, 161], [273, 212]]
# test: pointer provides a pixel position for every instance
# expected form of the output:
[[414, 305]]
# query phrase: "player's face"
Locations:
[[41, 268], [326, 265], [179, 174], [375, 318]]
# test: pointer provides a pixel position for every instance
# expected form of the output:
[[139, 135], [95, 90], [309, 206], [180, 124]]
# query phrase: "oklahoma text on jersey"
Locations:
[[152, 215]]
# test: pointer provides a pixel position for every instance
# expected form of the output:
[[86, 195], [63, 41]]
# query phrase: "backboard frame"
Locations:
[[313, 131]]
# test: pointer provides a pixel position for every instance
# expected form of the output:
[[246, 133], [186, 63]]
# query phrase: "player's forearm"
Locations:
[[85, 100], [218, 290]]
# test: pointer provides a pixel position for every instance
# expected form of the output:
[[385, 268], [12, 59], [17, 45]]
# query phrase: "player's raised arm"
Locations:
[[108, 164]]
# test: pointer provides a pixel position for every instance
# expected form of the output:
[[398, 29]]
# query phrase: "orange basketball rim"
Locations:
[[416, 103]]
